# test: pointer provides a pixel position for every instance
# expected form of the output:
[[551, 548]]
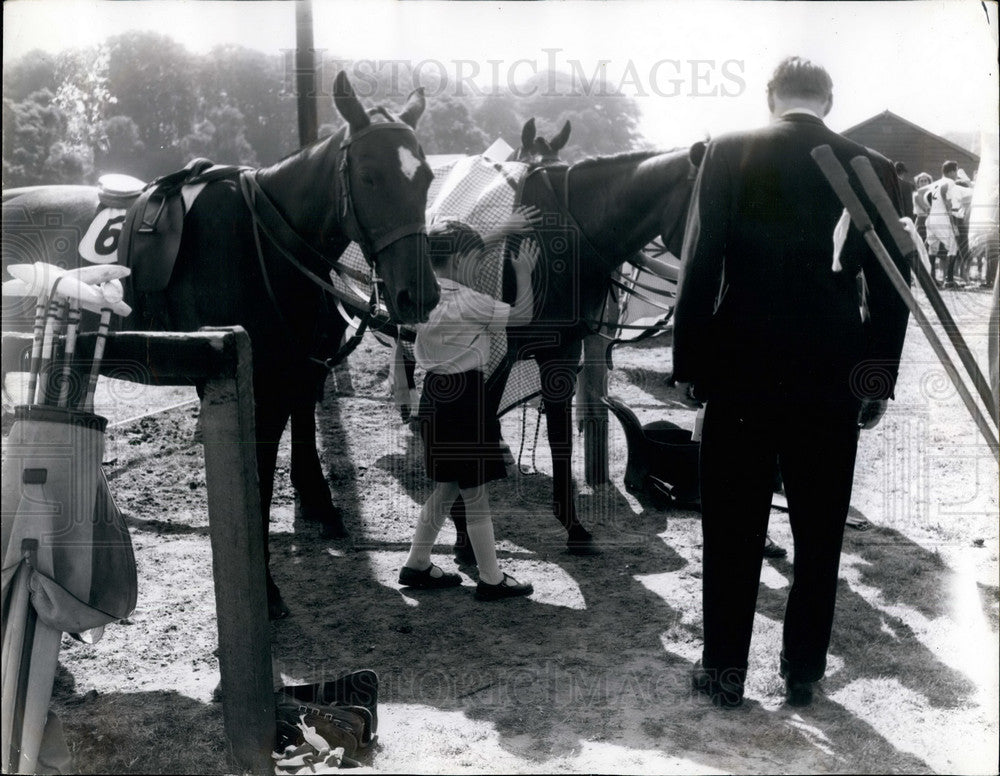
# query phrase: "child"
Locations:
[[462, 448]]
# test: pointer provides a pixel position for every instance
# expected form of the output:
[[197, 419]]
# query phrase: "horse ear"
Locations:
[[414, 107], [528, 134], [348, 104], [560, 140], [697, 153]]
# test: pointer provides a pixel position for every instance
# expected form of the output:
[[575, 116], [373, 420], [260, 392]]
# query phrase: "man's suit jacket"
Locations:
[[760, 311]]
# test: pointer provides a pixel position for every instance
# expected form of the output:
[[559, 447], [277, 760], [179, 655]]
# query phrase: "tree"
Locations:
[[123, 150], [30, 128], [221, 137], [497, 117], [448, 128], [154, 81], [253, 84], [32, 73]]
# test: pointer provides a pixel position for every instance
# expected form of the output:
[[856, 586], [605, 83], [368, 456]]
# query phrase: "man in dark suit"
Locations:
[[768, 331]]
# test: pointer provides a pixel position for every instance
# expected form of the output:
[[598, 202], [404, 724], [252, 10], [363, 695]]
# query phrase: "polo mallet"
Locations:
[[112, 302], [837, 177], [40, 279], [72, 324], [876, 193], [48, 343]]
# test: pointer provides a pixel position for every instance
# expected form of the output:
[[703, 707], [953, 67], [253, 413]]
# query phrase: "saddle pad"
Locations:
[[99, 244]]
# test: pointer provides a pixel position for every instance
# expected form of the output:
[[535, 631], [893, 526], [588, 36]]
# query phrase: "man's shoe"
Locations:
[[799, 694], [772, 550], [508, 587], [725, 695], [424, 579]]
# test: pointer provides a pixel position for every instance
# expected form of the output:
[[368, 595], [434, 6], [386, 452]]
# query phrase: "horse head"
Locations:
[[366, 183], [383, 178], [538, 150]]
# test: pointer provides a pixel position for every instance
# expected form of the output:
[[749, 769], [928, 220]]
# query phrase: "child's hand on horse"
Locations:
[[524, 219], [526, 258]]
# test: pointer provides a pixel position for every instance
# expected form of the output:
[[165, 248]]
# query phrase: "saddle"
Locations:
[[151, 235]]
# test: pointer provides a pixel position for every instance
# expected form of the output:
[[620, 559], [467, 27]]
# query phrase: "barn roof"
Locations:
[[902, 140]]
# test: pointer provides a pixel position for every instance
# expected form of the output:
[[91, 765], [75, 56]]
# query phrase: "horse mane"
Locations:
[[625, 157]]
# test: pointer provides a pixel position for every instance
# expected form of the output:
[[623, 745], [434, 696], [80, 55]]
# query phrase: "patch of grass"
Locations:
[[155, 732]]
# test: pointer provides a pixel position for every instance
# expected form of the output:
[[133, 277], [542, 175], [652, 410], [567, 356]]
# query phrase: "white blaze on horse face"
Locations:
[[408, 163]]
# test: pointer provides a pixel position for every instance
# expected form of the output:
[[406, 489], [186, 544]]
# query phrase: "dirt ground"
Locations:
[[589, 674]]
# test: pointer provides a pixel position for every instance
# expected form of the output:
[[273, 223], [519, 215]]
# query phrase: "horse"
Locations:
[[368, 183], [536, 150], [595, 215]]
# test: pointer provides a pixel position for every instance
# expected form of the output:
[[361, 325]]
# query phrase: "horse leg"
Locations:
[[271, 417], [311, 487], [558, 378]]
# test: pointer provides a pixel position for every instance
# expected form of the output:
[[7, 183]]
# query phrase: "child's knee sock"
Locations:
[[484, 546], [428, 527]]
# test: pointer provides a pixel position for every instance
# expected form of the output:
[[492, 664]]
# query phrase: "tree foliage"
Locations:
[[140, 103]]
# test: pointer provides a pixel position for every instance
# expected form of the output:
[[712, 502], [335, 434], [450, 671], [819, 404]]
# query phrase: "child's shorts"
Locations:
[[461, 433]]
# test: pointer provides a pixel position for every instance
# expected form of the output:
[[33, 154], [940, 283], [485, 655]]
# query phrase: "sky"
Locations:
[[696, 68]]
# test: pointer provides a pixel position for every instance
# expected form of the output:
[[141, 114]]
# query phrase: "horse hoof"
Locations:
[[327, 514], [276, 607], [335, 530]]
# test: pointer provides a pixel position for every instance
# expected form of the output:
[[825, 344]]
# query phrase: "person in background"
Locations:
[[942, 231], [921, 206], [767, 332], [961, 200], [905, 189], [462, 449]]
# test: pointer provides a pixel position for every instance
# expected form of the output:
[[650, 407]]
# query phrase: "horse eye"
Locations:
[[366, 178]]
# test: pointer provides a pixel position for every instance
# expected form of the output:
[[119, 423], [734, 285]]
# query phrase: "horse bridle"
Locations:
[[349, 220], [263, 210]]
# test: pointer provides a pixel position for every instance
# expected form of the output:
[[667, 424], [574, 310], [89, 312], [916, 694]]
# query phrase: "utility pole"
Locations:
[[305, 73]]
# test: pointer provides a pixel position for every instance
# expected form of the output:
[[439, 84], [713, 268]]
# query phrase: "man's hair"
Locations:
[[798, 77], [900, 168], [448, 238], [948, 167]]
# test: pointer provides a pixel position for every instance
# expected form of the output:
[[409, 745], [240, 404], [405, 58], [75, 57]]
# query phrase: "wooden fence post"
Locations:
[[227, 417]]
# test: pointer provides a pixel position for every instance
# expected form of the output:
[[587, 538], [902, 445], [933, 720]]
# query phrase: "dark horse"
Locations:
[[595, 215], [367, 183]]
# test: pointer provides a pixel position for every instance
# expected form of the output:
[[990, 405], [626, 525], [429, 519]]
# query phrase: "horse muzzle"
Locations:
[[410, 289]]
